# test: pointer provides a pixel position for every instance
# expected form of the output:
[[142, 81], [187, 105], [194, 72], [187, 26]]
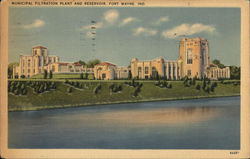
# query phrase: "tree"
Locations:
[[10, 69], [50, 74], [81, 76], [69, 89], [45, 74], [129, 75], [218, 63], [234, 72], [198, 87], [81, 62], [22, 76], [92, 63]]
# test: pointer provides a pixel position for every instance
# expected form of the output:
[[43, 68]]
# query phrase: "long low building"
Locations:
[[193, 61]]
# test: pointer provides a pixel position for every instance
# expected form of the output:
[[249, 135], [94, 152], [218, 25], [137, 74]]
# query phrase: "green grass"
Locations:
[[58, 76], [62, 76], [60, 98]]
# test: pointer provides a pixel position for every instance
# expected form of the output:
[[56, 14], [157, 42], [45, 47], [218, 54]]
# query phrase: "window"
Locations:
[[28, 63], [35, 52], [39, 61], [189, 72], [189, 56], [139, 72], [42, 52], [28, 70], [53, 68], [169, 71], [103, 76], [154, 73], [146, 70], [174, 70], [34, 71], [203, 56]]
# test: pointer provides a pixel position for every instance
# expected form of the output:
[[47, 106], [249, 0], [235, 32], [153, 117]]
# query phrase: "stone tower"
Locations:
[[194, 57]]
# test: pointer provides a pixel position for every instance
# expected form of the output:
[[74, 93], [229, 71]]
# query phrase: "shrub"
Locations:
[[66, 81], [112, 86], [212, 89], [198, 87], [204, 84], [207, 89], [170, 85], [24, 91], [41, 89], [16, 91], [12, 88], [81, 76], [97, 88], [69, 89]]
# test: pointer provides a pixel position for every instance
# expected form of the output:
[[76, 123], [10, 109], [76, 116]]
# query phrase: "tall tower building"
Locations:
[[194, 57]]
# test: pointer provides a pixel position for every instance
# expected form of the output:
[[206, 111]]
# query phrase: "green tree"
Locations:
[[198, 87], [22, 76], [81, 76], [92, 63], [82, 62], [129, 75], [234, 72], [10, 69], [218, 63], [45, 74], [50, 74], [69, 89]]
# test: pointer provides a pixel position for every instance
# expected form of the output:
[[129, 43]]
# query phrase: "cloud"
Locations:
[[188, 29], [161, 20], [144, 31], [35, 24], [111, 16], [127, 21], [97, 25]]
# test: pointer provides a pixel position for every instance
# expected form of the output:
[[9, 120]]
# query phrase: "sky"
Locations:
[[123, 33]]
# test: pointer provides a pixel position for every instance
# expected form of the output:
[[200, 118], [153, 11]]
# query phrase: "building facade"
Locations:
[[194, 57], [155, 68], [105, 71], [193, 61], [39, 61], [68, 67], [36, 63]]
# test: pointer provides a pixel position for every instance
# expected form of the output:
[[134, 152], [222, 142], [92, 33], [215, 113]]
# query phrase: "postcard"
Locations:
[[125, 79]]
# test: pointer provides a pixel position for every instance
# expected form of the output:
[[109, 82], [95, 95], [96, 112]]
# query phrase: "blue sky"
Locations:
[[123, 33]]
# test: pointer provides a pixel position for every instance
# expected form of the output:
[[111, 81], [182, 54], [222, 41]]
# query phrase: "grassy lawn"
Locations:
[[62, 76], [60, 96]]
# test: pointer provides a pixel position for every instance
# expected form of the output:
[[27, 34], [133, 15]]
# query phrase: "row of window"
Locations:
[[34, 71]]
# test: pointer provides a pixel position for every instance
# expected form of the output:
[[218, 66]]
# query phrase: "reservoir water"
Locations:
[[211, 123]]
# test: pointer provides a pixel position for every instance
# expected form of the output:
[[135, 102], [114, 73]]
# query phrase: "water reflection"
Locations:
[[163, 115], [184, 124]]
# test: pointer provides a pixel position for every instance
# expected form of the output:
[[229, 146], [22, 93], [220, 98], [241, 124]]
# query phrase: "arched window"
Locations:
[[53, 68], [146, 70], [29, 63], [154, 73], [189, 56], [139, 72]]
